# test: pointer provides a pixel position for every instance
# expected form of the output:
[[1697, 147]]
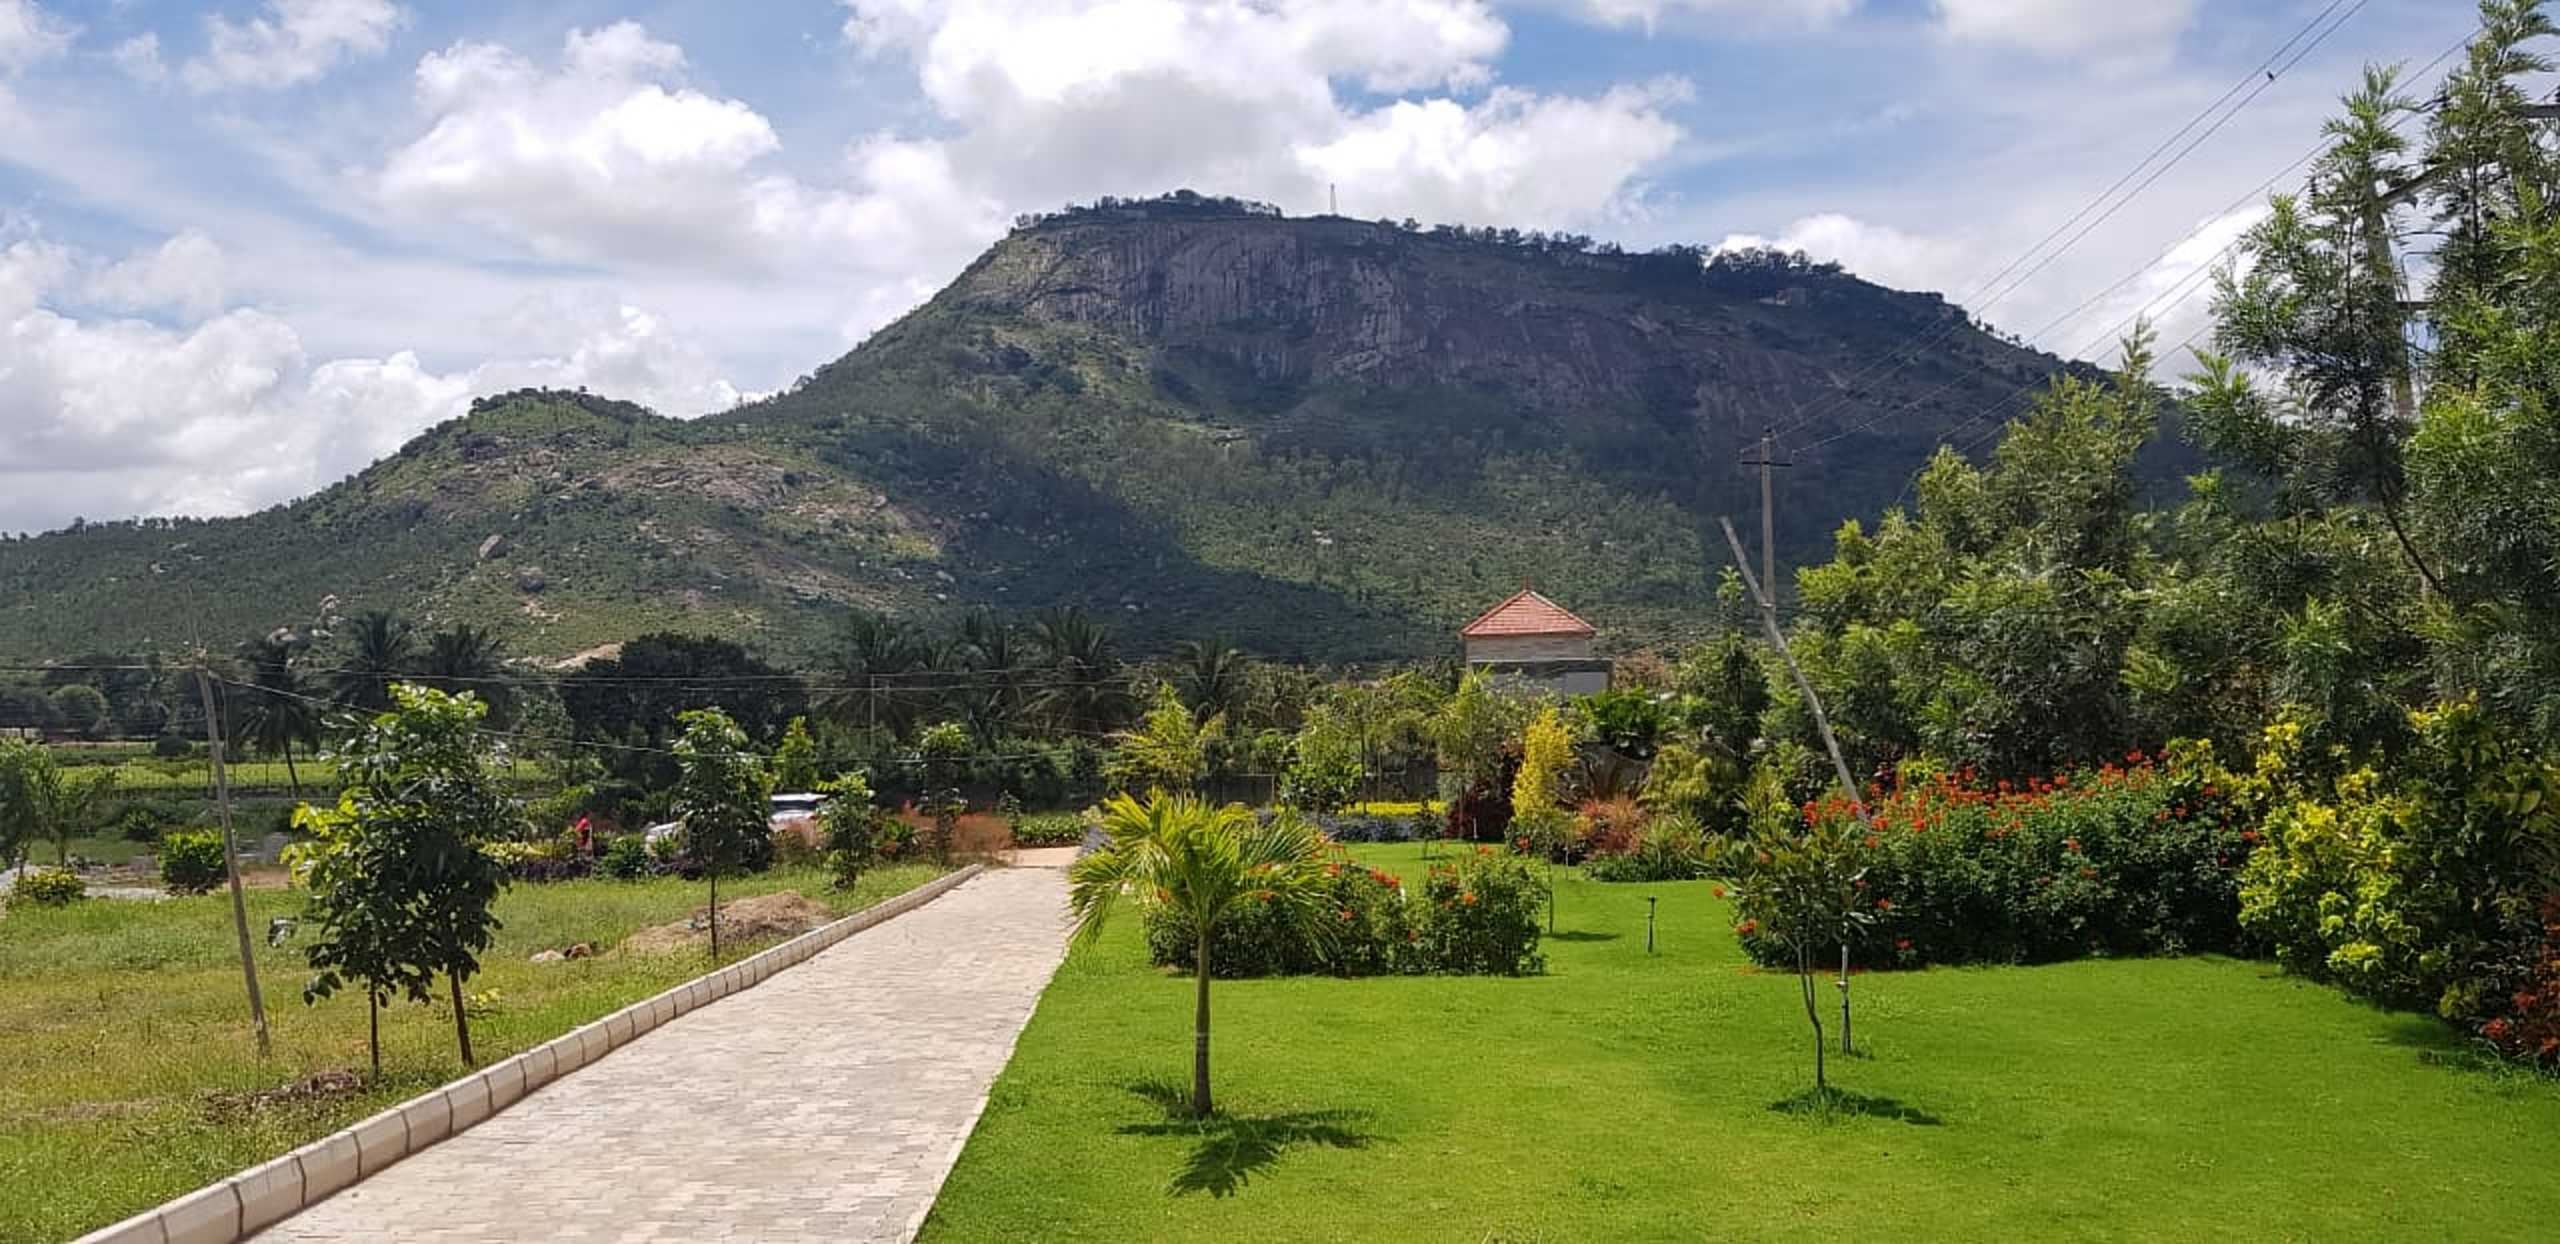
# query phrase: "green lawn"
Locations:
[[1627, 1097], [122, 1024]]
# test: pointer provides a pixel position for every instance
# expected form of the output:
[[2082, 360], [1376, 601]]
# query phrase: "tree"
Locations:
[[1168, 750], [795, 759], [1196, 863], [279, 712], [1804, 891], [463, 657], [633, 700], [1472, 731], [722, 795], [851, 828], [1213, 675], [1082, 686], [1325, 764], [381, 647], [82, 708], [40, 799], [872, 679], [402, 888], [1546, 749]]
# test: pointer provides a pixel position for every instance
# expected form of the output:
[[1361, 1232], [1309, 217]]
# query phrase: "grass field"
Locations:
[[125, 1041], [1627, 1097]]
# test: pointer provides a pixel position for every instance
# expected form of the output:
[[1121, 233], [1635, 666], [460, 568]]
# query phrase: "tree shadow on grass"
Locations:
[[1232, 1147], [1841, 1104], [1582, 935]]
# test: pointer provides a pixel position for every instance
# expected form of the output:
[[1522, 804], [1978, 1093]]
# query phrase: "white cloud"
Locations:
[[292, 42], [1518, 158], [185, 273], [28, 34], [1649, 13], [2101, 29], [226, 414], [139, 58], [1879, 253]]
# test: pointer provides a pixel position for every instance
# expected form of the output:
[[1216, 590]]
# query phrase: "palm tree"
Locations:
[[383, 649], [463, 657], [871, 675], [1195, 862], [1212, 675], [1083, 688], [991, 651], [279, 712]]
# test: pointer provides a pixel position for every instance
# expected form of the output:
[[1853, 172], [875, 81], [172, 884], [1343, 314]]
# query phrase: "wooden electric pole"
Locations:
[[231, 856], [1767, 461]]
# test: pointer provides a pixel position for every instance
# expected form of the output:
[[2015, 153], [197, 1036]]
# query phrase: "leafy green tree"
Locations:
[[851, 828], [42, 800], [633, 700], [1325, 766], [1472, 730], [1169, 749], [402, 888], [795, 759], [721, 794], [1800, 889], [1196, 864], [82, 708], [17, 812], [382, 647]]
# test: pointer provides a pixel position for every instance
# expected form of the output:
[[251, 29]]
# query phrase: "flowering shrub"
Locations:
[[2129, 858], [2529, 1027], [1479, 915], [2421, 889], [1669, 848], [48, 887]]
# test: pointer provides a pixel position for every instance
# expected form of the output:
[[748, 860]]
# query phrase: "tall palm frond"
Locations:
[[382, 649]]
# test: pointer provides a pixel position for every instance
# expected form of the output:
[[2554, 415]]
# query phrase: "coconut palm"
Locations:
[[871, 675], [1197, 862], [278, 711], [382, 646], [463, 657], [1212, 674], [1083, 687]]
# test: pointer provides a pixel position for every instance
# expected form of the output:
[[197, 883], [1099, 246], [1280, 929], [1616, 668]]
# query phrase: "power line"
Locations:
[[2257, 81]]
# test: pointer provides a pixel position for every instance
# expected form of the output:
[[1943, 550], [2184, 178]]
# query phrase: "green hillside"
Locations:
[[1328, 438]]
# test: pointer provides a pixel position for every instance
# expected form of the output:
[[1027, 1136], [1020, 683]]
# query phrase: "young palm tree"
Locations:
[[382, 646], [1197, 862], [871, 675]]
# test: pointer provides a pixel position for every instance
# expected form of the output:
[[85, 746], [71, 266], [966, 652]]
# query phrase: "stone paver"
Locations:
[[827, 1103]]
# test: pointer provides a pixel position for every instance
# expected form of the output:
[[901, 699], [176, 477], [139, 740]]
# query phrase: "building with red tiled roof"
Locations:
[[1531, 639]]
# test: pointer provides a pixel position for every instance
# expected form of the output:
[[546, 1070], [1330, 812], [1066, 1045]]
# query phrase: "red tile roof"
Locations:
[[1527, 614]]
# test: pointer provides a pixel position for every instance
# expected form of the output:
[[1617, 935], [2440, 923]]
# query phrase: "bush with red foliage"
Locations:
[[2529, 1031]]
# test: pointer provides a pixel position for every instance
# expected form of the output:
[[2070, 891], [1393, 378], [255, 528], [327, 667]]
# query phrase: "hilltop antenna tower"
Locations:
[[1332, 199]]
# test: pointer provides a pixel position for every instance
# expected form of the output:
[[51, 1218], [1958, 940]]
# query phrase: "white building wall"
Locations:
[[1529, 648]]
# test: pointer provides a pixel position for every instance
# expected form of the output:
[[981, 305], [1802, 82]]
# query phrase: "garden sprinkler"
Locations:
[[1649, 901]]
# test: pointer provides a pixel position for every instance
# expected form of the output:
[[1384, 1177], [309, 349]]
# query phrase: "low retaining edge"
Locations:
[[270, 1192]]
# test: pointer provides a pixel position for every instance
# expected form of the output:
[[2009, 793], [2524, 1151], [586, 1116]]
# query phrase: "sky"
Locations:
[[247, 247]]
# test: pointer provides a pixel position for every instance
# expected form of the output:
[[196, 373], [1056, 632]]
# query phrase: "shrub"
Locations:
[[626, 858], [1479, 915], [1363, 827], [49, 887], [794, 849], [1669, 849], [191, 861], [1048, 829], [2125, 859], [2421, 889], [2528, 1025], [1609, 827], [145, 820], [172, 746]]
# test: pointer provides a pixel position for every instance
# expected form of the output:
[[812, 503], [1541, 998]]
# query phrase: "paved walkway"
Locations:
[[827, 1103]]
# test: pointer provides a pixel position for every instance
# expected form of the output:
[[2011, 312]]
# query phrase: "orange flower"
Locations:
[[1884, 904], [1747, 928], [1469, 898], [1719, 891]]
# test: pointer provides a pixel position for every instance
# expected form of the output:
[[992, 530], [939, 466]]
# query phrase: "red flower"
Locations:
[[1346, 915], [2248, 835], [1747, 928], [1884, 904], [2495, 1030], [1469, 898], [1902, 943]]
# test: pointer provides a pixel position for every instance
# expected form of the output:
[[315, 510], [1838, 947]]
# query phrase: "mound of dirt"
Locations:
[[762, 918]]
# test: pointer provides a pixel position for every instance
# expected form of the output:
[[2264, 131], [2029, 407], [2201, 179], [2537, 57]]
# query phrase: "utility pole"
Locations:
[[1767, 460], [231, 856]]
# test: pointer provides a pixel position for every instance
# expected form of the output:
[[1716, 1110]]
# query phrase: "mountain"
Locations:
[[1326, 438]]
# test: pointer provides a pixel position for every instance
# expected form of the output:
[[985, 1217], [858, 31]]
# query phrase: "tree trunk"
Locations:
[[461, 1022], [292, 775], [373, 1030], [714, 874], [1804, 978], [1200, 1033]]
